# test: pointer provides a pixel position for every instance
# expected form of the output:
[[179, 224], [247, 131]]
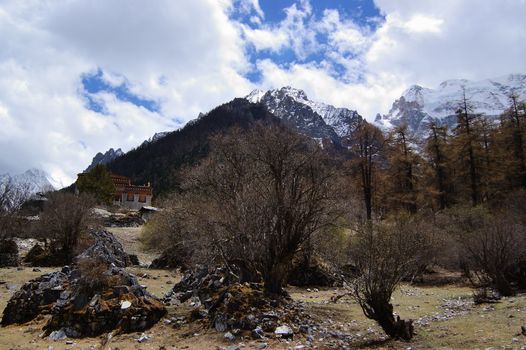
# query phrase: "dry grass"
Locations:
[[479, 327]]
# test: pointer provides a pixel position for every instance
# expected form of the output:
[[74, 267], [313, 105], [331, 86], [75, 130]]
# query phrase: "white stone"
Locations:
[[125, 304]]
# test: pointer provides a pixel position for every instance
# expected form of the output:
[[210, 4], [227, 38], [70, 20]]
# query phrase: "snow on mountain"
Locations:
[[418, 105], [316, 119], [19, 187], [105, 158], [255, 96], [159, 135]]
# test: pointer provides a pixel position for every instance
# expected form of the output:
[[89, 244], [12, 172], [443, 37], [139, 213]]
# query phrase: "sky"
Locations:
[[78, 77]]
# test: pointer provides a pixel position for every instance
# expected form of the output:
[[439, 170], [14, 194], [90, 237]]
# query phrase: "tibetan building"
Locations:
[[131, 196], [128, 195]]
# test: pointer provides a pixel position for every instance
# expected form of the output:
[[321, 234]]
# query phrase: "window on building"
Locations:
[[142, 198], [117, 198], [130, 197]]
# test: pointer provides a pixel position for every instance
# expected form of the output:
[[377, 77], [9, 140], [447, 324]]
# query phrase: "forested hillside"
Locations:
[[158, 162]]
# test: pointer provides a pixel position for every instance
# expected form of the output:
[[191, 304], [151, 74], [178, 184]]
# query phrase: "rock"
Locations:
[[36, 270], [229, 336], [233, 347], [57, 335], [143, 338], [36, 296], [313, 271], [107, 248], [131, 219], [8, 253], [88, 302], [257, 333], [38, 256], [220, 323], [134, 259], [91, 313], [523, 330], [262, 346], [170, 260], [125, 304], [284, 332]]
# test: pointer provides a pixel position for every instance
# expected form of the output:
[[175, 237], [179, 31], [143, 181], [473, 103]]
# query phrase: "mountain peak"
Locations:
[[255, 96], [418, 106], [316, 119], [104, 158]]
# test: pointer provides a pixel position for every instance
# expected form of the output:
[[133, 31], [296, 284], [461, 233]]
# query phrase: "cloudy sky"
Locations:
[[78, 77]]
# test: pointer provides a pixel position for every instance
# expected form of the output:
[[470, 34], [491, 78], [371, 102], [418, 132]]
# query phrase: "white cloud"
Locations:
[[186, 55], [189, 56]]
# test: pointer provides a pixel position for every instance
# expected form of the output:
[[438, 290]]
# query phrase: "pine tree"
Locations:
[[97, 182]]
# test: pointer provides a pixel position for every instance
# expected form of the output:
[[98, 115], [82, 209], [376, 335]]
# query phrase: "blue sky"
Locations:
[[86, 76]]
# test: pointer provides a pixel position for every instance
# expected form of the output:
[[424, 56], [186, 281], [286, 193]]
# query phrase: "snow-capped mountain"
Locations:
[[155, 137], [316, 119], [419, 105], [18, 188], [105, 158]]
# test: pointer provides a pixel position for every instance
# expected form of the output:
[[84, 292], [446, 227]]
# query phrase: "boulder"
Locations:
[[313, 272], [40, 256], [169, 260], [107, 248], [93, 296], [8, 253], [131, 219], [122, 308], [35, 297]]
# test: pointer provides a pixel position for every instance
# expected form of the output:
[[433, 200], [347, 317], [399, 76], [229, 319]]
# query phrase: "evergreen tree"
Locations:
[[97, 182]]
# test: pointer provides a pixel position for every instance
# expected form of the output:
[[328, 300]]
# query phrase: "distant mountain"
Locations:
[[419, 105], [315, 119], [105, 158], [20, 187]]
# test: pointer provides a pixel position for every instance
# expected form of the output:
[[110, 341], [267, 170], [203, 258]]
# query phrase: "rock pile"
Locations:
[[169, 260], [93, 296], [122, 307], [314, 272], [240, 309], [8, 253], [35, 297], [131, 219], [105, 246]]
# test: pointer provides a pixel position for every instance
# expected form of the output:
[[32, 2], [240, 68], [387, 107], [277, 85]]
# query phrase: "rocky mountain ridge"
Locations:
[[315, 119], [418, 106], [105, 158], [20, 187]]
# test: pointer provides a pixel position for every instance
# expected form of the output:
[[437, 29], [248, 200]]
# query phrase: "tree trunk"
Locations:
[[395, 328], [274, 278]]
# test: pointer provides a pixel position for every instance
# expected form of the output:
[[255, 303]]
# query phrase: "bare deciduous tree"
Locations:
[[384, 255], [257, 198], [66, 217]]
